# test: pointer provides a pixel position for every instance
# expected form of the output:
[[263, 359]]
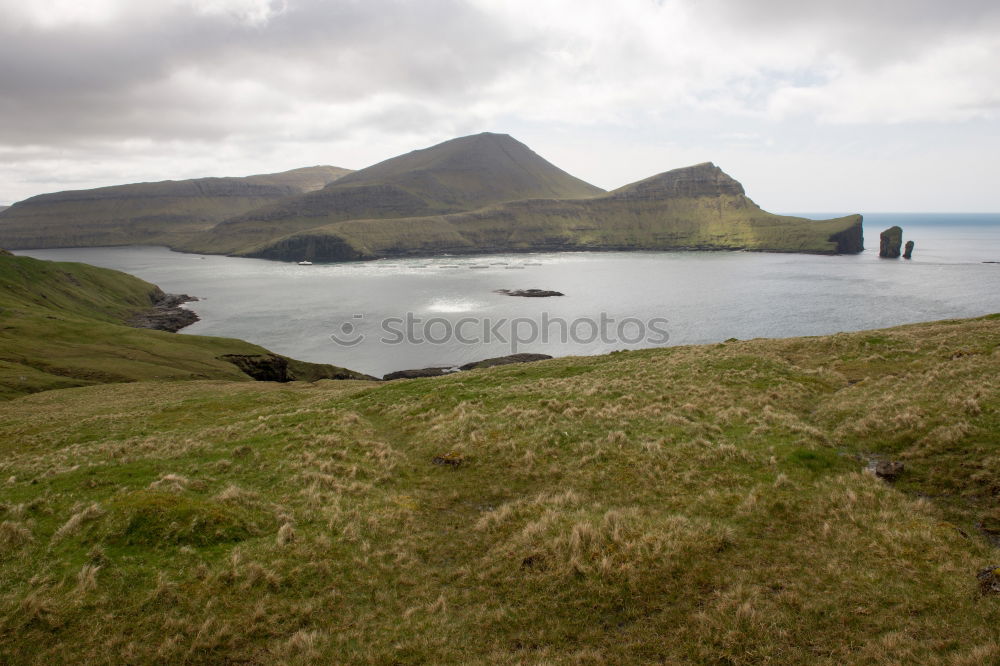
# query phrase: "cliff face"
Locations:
[[852, 239], [149, 213]]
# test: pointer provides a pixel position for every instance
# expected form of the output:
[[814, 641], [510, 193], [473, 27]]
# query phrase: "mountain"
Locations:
[[148, 213], [698, 207], [703, 504], [458, 175], [474, 194], [63, 325]]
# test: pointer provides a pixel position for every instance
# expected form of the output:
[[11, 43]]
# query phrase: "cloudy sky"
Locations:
[[855, 105]]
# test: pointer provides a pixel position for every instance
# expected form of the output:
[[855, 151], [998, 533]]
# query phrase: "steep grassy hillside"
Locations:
[[461, 174], [685, 505], [62, 325], [148, 213], [698, 207]]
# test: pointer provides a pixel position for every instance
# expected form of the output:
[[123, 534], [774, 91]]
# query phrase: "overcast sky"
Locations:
[[854, 105]]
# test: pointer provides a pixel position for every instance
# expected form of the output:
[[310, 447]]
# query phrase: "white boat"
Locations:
[[305, 262]]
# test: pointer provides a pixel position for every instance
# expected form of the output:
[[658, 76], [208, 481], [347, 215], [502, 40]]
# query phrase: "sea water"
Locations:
[[387, 315]]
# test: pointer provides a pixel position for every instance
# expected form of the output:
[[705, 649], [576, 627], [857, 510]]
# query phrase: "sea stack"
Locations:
[[890, 243], [908, 252]]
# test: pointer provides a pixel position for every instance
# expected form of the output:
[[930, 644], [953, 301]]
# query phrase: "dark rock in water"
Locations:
[[890, 242], [989, 580], [505, 360], [529, 293], [416, 374], [888, 469], [277, 368], [908, 252], [166, 313]]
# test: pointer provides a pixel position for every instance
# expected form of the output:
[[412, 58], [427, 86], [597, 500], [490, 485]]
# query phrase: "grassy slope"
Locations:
[[460, 174], [654, 214], [148, 213], [61, 326], [694, 504]]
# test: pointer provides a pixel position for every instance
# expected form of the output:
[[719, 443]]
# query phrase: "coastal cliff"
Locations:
[[692, 208]]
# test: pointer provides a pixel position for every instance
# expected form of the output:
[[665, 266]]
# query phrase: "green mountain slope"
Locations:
[[148, 213], [61, 325], [460, 174], [700, 504], [697, 207]]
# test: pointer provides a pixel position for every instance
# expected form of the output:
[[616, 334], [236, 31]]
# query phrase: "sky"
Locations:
[[847, 106]]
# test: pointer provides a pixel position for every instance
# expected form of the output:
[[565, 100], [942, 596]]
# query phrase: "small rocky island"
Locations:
[[890, 243]]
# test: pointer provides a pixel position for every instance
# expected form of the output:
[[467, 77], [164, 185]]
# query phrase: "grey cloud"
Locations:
[[871, 31], [119, 81]]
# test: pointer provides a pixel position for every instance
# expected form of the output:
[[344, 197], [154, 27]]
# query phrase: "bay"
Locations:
[[316, 313]]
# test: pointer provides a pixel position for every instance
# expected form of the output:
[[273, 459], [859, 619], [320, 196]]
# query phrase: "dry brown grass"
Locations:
[[699, 504]]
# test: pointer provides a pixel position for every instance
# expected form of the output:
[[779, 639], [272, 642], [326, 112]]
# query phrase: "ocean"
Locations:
[[381, 316]]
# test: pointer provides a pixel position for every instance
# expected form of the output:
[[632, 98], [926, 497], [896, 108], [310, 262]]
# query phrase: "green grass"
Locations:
[[457, 175], [160, 213], [694, 504], [61, 326], [719, 218]]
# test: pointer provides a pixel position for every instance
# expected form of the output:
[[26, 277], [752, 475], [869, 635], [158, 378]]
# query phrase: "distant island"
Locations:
[[478, 194]]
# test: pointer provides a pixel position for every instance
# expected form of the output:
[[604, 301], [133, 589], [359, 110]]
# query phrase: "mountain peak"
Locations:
[[699, 180], [471, 171]]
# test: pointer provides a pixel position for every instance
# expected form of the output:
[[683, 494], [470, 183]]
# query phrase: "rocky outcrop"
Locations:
[[166, 313], [888, 469], [908, 252], [890, 243], [277, 368], [438, 371], [5, 253], [529, 293], [505, 360], [989, 581]]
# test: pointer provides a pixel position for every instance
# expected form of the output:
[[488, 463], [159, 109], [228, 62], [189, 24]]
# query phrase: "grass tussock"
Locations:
[[686, 505]]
